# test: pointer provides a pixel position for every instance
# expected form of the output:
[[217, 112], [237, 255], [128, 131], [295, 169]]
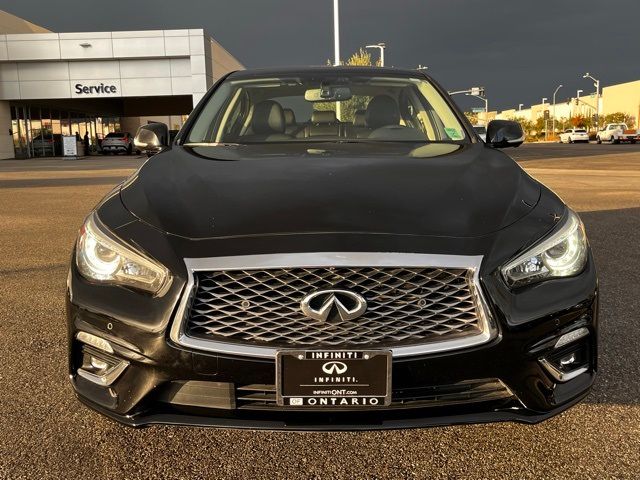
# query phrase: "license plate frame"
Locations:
[[351, 379]]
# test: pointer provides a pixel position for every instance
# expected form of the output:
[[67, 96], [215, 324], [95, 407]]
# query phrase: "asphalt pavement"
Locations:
[[46, 433]]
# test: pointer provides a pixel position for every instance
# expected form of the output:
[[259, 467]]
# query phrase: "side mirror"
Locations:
[[152, 138], [504, 133]]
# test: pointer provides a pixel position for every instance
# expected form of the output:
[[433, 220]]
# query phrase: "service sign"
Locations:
[[95, 88]]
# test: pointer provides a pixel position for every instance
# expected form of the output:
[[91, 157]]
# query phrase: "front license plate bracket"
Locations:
[[333, 379]]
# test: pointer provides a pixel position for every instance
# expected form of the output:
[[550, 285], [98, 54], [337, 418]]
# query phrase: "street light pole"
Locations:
[[336, 46], [336, 33], [578, 99], [544, 101], [596, 83], [381, 46], [553, 122]]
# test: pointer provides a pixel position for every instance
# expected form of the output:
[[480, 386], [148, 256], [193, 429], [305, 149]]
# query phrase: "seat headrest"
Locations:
[[268, 118], [359, 118], [382, 111], [323, 116], [289, 117]]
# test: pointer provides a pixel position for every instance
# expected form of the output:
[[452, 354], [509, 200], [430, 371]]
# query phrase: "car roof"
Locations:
[[284, 71]]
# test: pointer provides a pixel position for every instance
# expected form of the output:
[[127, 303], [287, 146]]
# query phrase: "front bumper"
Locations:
[[503, 380], [373, 420]]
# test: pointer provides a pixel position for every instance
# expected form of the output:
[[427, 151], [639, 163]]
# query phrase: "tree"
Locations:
[[472, 117], [362, 58], [619, 117], [580, 121], [528, 126]]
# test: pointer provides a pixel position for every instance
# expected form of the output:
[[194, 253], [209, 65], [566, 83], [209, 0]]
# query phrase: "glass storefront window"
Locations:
[[75, 126], [55, 123], [37, 131], [99, 129], [18, 130], [64, 123], [49, 144], [36, 139]]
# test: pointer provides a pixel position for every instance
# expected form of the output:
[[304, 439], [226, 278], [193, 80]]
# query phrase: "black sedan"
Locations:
[[331, 248]]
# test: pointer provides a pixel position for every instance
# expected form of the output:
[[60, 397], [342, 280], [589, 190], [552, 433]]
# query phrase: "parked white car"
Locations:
[[117, 142], [573, 135]]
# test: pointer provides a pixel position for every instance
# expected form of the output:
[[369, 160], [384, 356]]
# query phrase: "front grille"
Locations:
[[405, 306]]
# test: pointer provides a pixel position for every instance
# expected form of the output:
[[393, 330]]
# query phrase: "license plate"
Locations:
[[333, 378]]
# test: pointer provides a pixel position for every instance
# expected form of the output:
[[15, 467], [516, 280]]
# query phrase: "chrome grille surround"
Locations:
[[409, 336]]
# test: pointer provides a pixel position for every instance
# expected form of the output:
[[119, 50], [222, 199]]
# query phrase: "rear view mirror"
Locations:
[[328, 93], [152, 138], [504, 134]]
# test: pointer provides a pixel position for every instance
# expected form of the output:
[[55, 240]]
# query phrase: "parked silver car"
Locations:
[[117, 142]]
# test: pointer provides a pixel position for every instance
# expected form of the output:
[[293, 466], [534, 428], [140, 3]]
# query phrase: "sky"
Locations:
[[519, 50]]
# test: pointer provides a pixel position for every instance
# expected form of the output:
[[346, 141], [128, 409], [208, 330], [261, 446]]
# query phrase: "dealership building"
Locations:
[[55, 84]]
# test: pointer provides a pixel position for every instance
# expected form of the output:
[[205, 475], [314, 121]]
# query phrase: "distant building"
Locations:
[[623, 97]]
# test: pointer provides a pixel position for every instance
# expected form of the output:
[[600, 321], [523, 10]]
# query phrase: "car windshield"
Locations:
[[326, 107], [116, 135], [580, 131]]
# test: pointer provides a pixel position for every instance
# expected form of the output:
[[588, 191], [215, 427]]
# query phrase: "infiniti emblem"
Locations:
[[328, 304], [331, 368]]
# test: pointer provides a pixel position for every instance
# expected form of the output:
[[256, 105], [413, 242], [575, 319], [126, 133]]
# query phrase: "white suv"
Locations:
[[117, 142]]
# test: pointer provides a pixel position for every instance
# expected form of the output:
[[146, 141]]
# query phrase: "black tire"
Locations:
[[598, 141], [570, 139], [104, 152], [129, 149], [633, 142]]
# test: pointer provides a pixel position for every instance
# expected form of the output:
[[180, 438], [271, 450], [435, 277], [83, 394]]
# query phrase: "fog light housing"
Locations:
[[100, 368], [567, 363]]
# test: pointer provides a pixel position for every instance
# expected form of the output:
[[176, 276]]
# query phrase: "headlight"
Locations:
[[102, 257], [563, 254]]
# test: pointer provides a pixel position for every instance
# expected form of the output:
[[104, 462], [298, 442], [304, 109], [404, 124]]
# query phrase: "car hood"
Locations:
[[233, 191]]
